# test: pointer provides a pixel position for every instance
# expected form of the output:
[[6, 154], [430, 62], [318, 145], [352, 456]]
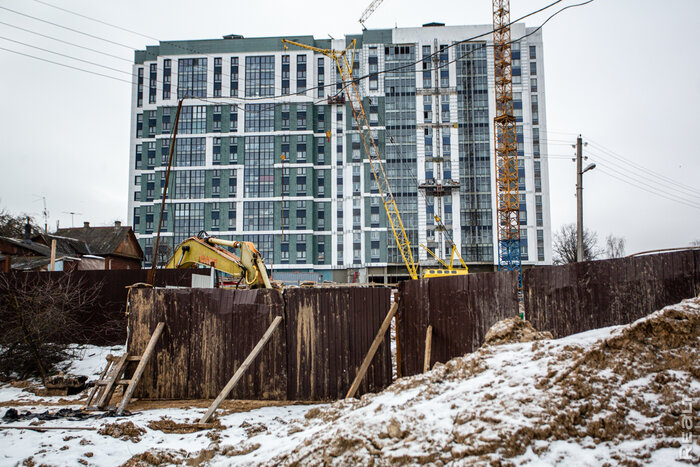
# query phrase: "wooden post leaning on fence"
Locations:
[[239, 373], [372, 350], [428, 348]]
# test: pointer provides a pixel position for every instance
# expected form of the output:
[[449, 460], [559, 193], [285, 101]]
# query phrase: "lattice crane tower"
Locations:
[[506, 146]]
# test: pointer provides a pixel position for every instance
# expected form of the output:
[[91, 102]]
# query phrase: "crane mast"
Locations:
[[358, 112], [506, 146]]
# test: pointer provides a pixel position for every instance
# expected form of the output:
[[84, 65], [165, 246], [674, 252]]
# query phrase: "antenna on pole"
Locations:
[[72, 216], [44, 213]]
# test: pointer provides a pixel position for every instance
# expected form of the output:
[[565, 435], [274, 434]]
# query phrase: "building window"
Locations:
[[165, 120], [234, 76], [189, 184], [284, 110], [301, 215], [216, 151], [533, 52], [189, 220], [257, 215], [301, 116], [192, 77], [259, 76], [301, 181], [215, 183], [139, 87], [259, 173], [193, 120], [216, 119], [259, 117], [232, 216], [152, 80], [301, 73], [190, 152], [321, 70], [217, 77], [301, 148], [167, 73], [285, 75]]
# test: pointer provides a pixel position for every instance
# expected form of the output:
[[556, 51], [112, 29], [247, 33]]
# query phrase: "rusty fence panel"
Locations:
[[460, 309], [105, 322], [329, 331], [208, 334], [573, 298]]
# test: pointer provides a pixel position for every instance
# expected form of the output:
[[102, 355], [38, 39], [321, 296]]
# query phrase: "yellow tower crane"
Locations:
[[358, 112]]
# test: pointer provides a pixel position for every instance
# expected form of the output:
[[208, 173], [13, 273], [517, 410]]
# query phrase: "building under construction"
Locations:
[[268, 150]]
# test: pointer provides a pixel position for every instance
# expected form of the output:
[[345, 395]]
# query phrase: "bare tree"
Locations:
[[614, 246], [564, 245], [164, 253], [13, 226], [39, 319]]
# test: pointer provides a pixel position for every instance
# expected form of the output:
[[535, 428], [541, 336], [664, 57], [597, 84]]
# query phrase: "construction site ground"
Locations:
[[625, 395]]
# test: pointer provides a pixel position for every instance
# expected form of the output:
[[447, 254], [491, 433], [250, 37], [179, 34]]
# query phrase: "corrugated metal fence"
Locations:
[[561, 299], [314, 355], [461, 309], [578, 297]]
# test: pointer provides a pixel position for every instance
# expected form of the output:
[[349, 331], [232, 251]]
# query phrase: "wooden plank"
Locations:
[[428, 348], [95, 388], [117, 371], [372, 350], [139, 369], [239, 373]]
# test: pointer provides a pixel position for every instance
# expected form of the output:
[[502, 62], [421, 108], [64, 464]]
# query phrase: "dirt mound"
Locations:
[[125, 431], [167, 425], [513, 330], [156, 457], [620, 393]]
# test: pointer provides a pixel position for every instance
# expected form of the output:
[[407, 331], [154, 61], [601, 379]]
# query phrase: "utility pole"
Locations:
[[579, 199], [579, 196]]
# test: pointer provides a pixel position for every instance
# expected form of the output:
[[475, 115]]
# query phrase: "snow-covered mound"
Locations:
[[610, 395]]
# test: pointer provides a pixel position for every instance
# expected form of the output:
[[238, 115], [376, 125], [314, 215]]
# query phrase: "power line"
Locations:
[[64, 65], [96, 20], [635, 165], [65, 55], [67, 28], [624, 180], [626, 167], [66, 42]]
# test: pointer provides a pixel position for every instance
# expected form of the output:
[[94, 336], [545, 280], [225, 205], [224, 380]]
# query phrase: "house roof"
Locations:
[[31, 263], [100, 240], [64, 245], [36, 247]]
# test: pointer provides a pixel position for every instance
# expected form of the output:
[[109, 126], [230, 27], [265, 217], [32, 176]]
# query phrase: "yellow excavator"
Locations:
[[207, 251]]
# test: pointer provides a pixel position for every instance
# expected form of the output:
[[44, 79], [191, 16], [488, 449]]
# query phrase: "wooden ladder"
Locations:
[[112, 376]]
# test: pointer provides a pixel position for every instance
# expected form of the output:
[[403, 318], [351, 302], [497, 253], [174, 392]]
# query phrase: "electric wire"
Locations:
[[66, 42], [64, 65], [66, 55]]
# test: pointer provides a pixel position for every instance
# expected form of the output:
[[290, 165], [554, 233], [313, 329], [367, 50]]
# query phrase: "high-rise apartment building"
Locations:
[[267, 149]]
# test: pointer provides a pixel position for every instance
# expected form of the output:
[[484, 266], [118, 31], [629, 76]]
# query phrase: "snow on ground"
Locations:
[[613, 395]]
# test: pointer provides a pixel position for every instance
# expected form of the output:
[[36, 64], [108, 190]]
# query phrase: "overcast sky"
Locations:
[[623, 73]]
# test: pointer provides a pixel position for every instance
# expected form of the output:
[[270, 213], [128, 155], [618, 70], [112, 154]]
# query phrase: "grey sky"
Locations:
[[623, 73]]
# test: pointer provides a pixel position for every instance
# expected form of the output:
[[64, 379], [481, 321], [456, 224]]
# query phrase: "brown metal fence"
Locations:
[[460, 310], [208, 334], [314, 355], [329, 331], [105, 323], [578, 297]]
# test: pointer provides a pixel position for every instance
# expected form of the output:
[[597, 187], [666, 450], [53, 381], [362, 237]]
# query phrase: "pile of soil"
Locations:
[[125, 431], [167, 425], [512, 330], [626, 392]]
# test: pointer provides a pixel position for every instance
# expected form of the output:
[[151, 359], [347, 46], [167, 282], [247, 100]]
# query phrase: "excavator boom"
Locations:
[[205, 250]]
